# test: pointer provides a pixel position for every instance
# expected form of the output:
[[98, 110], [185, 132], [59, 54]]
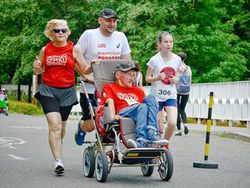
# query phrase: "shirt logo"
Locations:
[[56, 60], [118, 45], [101, 45]]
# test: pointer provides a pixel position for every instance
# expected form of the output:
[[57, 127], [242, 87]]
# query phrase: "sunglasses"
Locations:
[[60, 30]]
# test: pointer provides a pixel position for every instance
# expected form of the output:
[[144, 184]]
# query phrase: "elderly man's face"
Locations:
[[126, 79]]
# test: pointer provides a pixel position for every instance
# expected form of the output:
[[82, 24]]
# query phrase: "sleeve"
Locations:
[[83, 42], [151, 63], [107, 93], [125, 47]]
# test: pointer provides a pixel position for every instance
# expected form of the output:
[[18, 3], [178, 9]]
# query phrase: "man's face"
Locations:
[[126, 79], [107, 25]]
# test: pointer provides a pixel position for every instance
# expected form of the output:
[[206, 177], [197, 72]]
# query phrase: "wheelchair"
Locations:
[[110, 148]]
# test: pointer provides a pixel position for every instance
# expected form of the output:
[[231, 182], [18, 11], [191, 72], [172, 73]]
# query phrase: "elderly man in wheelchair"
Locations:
[[124, 99]]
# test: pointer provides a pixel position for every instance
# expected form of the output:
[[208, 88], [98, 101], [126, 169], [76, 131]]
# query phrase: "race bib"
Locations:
[[163, 93]]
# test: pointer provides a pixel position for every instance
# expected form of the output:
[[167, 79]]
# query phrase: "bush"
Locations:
[[24, 108]]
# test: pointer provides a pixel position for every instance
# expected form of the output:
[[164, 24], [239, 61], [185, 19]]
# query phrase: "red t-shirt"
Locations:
[[59, 65], [122, 96]]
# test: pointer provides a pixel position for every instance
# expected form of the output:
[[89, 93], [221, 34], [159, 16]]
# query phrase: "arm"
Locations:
[[38, 63], [150, 78], [81, 66], [111, 107]]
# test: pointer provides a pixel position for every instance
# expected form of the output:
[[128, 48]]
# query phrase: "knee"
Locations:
[[149, 99], [55, 127], [143, 108], [88, 126]]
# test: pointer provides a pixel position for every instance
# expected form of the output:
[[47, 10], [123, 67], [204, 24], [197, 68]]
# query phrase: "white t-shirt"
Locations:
[[94, 45], [162, 91]]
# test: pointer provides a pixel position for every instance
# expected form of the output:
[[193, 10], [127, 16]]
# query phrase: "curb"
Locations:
[[228, 134]]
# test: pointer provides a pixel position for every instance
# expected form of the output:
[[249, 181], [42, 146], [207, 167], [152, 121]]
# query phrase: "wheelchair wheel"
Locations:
[[167, 166], [89, 162], [101, 166], [146, 169]]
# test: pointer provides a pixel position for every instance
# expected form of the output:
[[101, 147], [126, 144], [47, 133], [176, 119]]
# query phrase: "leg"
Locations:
[[138, 114], [55, 132], [172, 118], [184, 100], [179, 99], [86, 123], [160, 117], [64, 111]]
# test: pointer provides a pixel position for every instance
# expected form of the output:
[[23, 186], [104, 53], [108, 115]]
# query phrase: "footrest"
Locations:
[[141, 155]]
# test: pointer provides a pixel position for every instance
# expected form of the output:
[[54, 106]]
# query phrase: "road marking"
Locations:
[[17, 157], [29, 127], [9, 142]]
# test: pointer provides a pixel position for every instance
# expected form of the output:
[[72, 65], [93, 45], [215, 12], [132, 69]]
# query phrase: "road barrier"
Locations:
[[206, 164]]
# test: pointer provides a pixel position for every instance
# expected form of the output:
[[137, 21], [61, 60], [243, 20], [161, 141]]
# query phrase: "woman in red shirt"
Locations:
[[57, 62]]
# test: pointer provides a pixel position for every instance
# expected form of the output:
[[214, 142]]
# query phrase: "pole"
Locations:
[[206, 164]]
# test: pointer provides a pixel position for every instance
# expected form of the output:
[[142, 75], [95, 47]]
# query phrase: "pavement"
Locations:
[[240, 133]]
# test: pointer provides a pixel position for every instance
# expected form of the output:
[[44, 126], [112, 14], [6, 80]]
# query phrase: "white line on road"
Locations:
[[29, 127], [17, 157]]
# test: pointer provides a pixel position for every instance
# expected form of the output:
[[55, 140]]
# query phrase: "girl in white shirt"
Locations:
[[162, 72]]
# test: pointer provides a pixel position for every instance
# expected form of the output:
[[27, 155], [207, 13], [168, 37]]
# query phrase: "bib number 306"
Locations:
[[164, 92]]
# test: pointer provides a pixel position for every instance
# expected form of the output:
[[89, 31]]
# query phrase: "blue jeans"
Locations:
[[144, 115]]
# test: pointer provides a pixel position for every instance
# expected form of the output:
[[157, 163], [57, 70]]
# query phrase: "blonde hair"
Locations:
[[52, 24]]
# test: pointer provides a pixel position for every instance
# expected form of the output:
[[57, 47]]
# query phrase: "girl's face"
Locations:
[[166, 44], [60, 33]]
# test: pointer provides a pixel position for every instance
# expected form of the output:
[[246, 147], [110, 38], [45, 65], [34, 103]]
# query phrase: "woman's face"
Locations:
[[166, 44], [60, 33]]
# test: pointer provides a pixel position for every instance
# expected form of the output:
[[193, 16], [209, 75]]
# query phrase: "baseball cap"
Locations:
[[109, 13], [125, 67]]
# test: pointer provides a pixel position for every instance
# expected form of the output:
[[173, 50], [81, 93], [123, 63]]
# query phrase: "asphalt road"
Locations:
[[26, 160]]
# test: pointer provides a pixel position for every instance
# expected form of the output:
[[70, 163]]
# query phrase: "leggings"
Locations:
[[181, 105]]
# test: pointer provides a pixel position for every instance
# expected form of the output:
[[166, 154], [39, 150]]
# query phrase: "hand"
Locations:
[[38, 66], [89, 79], [96, 61], [161, 76], [173, 80], [37, 63], [117, 117]]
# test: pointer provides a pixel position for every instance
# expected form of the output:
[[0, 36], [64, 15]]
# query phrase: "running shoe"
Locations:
[[185, 129], [59, 168], [79, 135]]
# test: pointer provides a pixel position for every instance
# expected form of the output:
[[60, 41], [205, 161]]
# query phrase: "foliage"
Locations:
[[214, 34], [24, 108]]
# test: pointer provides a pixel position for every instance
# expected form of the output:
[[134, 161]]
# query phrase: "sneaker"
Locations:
[[132, 144], [154, 138], [185, 129], [178, 133], [79, 135], [59, 168]]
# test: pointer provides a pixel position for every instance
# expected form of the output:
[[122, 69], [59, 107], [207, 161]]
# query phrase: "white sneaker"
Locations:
[[132, 144], [59, 168], [161, 142]]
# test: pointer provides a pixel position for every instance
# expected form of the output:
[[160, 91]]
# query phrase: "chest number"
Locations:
[[164, 92]]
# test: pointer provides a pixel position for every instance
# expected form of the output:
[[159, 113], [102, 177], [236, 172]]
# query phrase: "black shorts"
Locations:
[[85, 105], [50, 104]]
